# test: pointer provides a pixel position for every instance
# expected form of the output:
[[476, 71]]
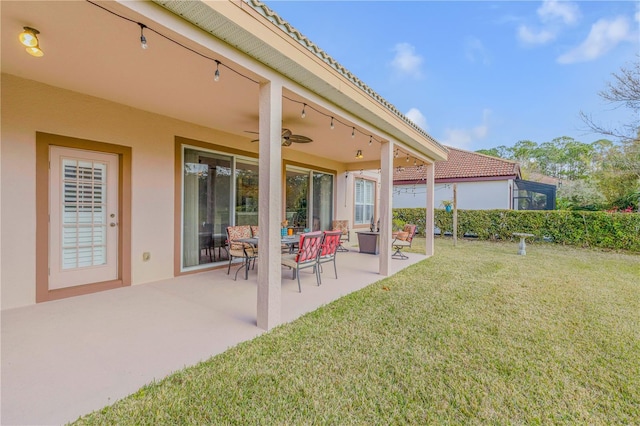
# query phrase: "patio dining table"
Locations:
[[291, 241]]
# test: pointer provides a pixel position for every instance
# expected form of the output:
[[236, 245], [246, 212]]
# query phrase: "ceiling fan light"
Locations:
[[359, 154], [35, 51], [29, 37]]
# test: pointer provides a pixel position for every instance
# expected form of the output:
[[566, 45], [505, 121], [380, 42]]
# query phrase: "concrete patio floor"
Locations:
[[66, 358]]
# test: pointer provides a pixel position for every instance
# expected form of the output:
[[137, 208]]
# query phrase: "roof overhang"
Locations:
[[254, 29]]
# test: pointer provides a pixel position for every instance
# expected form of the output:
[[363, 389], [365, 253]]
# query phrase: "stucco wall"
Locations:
[[28, 107], [481, 195]]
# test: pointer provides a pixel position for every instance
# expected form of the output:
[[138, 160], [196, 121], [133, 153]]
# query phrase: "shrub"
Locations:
[[578, 228]]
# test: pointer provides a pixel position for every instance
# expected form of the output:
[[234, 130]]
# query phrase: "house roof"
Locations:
[[462, 165]]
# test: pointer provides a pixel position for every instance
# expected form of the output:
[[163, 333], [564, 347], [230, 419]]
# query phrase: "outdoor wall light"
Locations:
[[29, 39], [359, 154]]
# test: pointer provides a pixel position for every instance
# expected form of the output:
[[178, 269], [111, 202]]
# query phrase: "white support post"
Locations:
[[429, 223], [386, 204], [270, 199]]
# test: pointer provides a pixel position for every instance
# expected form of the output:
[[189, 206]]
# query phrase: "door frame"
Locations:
[[43, 143]]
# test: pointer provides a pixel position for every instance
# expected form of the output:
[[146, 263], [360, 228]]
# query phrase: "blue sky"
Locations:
[[479, 74]]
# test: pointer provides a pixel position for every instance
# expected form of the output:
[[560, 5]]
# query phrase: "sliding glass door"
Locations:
[[297, 193], [322, 206], [309, 199], [246, 200], [206, 205], [220, 190]]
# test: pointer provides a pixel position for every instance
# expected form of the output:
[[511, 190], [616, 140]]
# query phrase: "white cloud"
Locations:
[[554, 14], [604, 36], [476, 52], [464, 138], [418, 118], [566, 11], [406, 60], [530, 37], [637, 17]]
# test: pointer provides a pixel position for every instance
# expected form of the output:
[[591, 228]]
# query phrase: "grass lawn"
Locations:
[[475, 334]]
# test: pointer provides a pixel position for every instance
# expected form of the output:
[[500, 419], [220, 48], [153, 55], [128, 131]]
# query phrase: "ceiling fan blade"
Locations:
[[300, 139]]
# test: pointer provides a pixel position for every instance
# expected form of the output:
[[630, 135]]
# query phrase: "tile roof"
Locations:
[[463, 164]]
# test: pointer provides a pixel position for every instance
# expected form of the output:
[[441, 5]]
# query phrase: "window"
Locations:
[[364, 201]]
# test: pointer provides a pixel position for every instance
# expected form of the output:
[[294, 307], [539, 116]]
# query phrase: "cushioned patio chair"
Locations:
[[343, 227], [328, 250], [238, 249], [403, 239], [306, 256]]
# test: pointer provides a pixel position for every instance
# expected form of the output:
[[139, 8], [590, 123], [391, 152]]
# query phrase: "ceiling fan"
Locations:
[[288, 137]]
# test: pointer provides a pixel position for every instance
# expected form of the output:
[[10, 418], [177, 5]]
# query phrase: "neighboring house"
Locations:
[[134, 134], [483, 182]]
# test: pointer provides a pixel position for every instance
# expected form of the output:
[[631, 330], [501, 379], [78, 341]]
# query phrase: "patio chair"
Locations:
[[238, 249], [328, 250], [205, 235], [343, 227], [306, 256], [403, 239]]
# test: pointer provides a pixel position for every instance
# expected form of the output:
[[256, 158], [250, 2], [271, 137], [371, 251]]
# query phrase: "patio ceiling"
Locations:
[[91, 51]]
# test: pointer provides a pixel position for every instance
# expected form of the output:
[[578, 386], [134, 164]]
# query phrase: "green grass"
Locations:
[[475, 334]]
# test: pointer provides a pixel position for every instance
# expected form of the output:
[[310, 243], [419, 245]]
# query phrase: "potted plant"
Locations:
[[448, 205]]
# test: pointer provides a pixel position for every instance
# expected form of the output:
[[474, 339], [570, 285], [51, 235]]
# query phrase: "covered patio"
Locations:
[[204, 110], [69, 357]]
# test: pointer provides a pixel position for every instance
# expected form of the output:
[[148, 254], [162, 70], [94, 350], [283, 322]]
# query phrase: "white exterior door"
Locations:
[[83, 217]]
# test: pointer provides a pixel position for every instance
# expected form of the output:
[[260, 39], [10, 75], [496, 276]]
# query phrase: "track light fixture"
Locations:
[[370, 140], [353, 132], [216, 75], [331, 125], [407, 157], [29, 39], [143, 39], [303, 114]]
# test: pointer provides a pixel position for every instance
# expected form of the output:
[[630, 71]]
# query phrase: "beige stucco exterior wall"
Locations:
[[29, 107]]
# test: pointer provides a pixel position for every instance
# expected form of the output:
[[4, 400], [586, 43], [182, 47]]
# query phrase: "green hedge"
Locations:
[[579, 228]]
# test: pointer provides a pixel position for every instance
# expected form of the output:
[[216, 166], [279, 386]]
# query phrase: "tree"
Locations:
[[619, 175], [622, 92]]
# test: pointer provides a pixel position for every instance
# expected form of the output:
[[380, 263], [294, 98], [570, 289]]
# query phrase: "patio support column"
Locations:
[[429, 224], [270, 205], [386, 201]]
